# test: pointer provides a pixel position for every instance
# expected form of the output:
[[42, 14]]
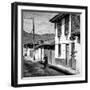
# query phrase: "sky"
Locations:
[[41, 20]]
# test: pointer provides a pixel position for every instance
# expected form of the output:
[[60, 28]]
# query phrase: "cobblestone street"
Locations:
[[33, 69]]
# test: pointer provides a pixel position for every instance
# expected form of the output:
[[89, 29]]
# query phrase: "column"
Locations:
[[56, 41], [56, 50], [63, 51], [78, 57], [69, 38], [56, 34], [63, 27], [62, 38], [69, 54], [69, 26], [42, 53]]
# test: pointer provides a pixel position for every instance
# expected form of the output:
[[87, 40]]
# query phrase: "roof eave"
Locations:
[[59, 16]]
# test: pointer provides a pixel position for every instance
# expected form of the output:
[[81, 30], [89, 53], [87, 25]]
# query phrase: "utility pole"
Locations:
[[33, 34], [33, 39]]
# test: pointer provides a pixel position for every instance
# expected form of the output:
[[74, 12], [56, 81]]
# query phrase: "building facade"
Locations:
[[67, 41]]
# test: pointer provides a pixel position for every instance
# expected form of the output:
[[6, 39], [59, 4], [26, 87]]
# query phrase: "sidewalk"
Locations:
[[66, 70]]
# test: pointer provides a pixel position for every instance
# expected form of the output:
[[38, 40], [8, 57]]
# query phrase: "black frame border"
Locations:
[[14, 43]]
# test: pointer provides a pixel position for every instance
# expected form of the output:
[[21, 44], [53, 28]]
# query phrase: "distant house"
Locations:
[[41, 49], [67, 40], [47, 48], [28, 51]]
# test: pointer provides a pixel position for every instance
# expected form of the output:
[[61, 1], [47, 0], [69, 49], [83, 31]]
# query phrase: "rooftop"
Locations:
[[58, 17], [61, 15]]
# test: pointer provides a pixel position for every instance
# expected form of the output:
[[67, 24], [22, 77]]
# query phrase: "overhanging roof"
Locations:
[[61, 15], [58, 17], [46, 45]]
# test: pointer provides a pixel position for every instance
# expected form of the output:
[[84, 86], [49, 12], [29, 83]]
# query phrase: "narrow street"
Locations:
[[34, 69]]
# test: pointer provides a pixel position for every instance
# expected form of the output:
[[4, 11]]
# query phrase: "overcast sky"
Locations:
[[41, 19]]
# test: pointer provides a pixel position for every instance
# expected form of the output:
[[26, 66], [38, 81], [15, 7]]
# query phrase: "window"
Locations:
[[59, 50], [75, 19], [66, 25], [73, 47], [59, 29], [31, 53]]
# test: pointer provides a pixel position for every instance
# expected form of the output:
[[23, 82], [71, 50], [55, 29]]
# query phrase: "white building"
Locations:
[[67, 47], [47, 49], [28, 51]]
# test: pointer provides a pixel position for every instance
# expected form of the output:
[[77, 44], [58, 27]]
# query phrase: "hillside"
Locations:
[[28, 37]]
